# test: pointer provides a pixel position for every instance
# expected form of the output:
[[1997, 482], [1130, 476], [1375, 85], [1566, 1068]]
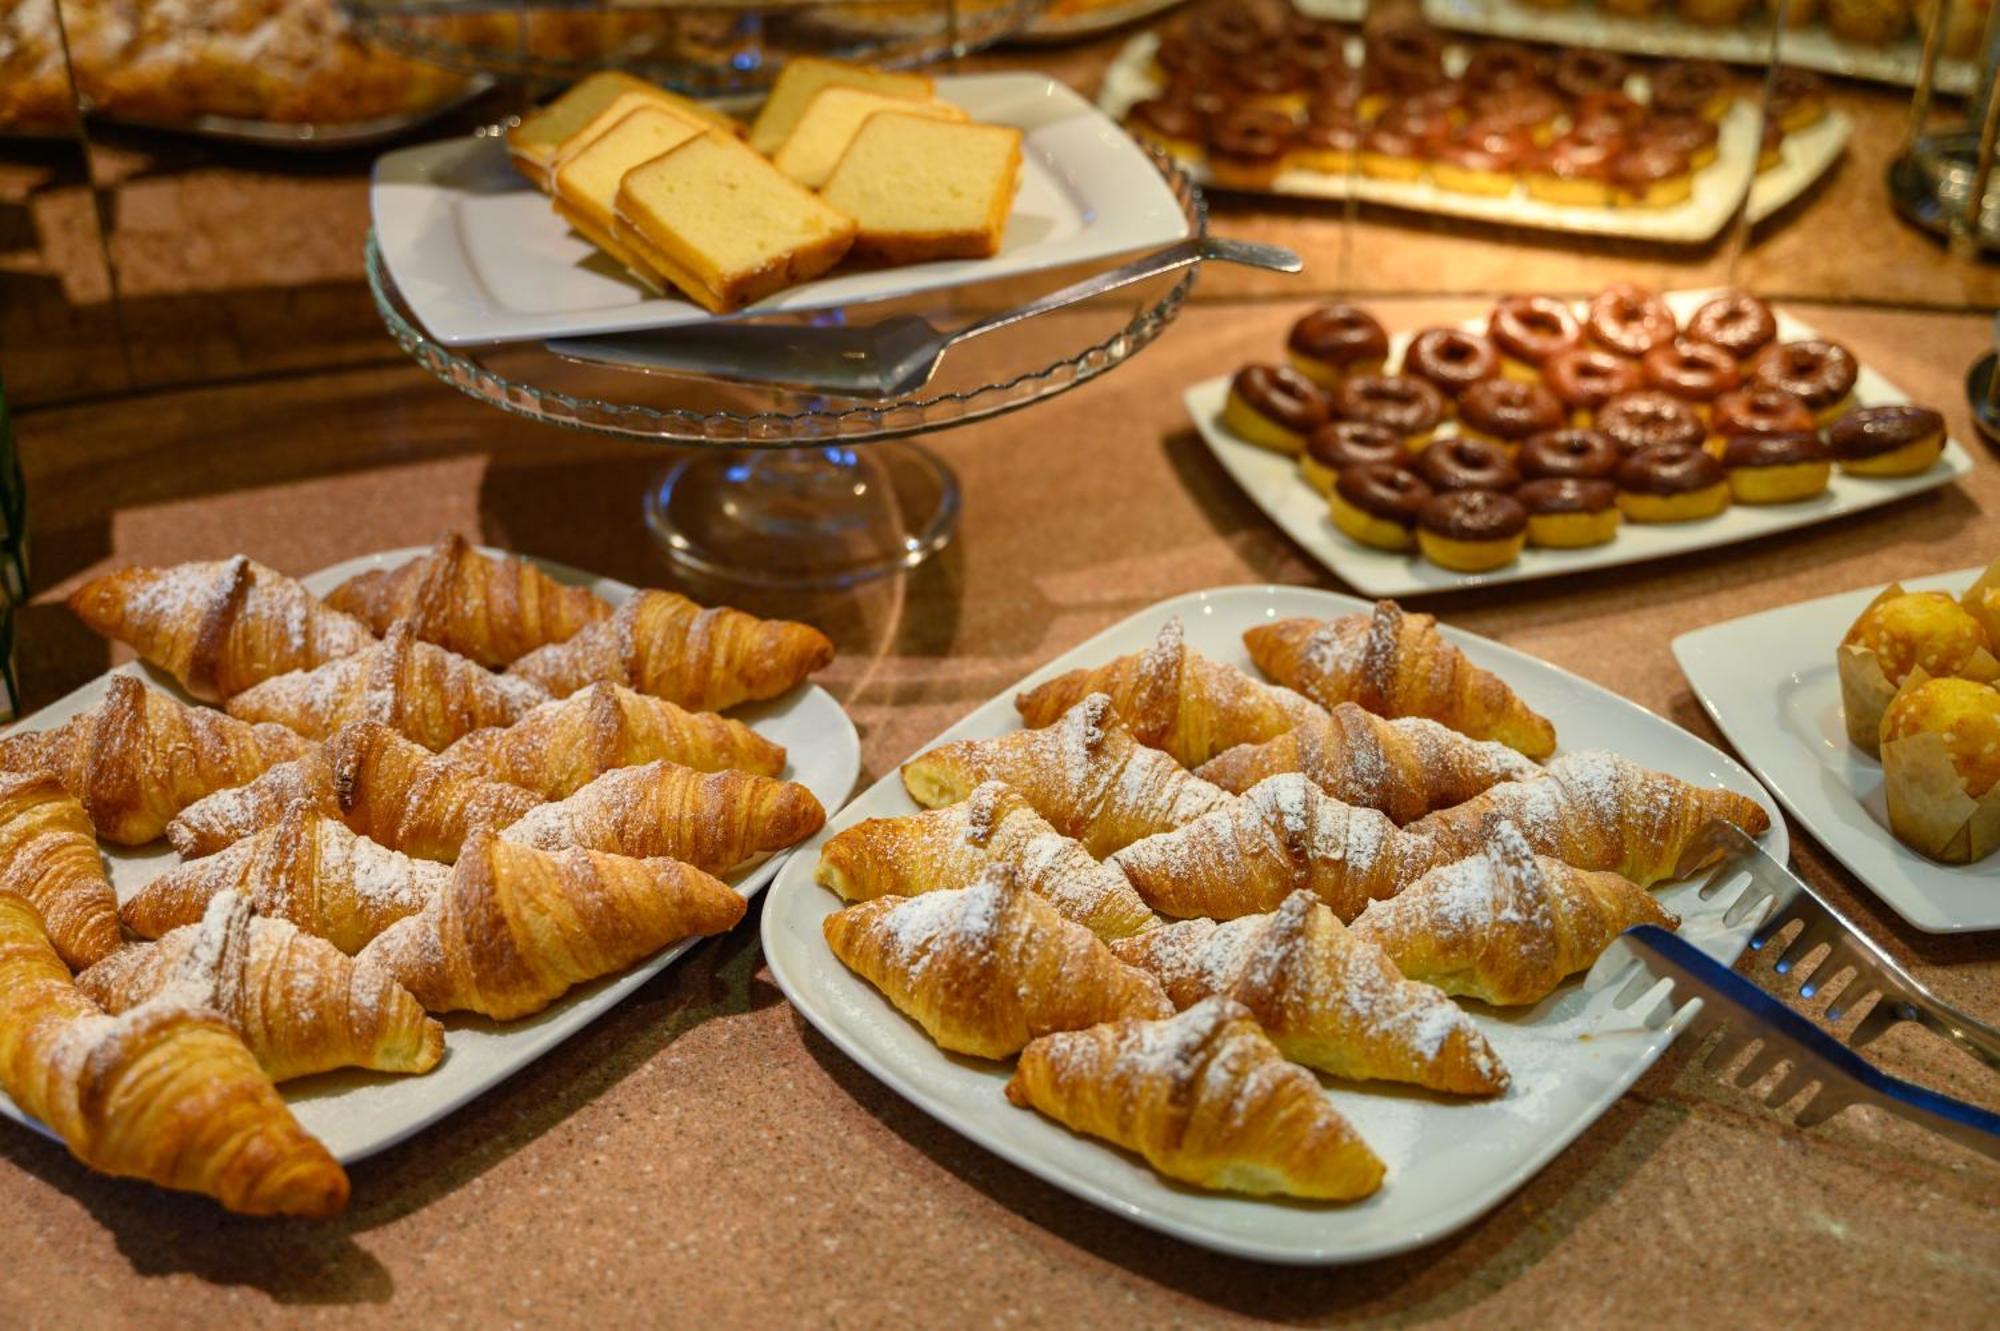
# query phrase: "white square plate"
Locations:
[[1273, 483], [1449, 1161], [1770, 683], [357, 1114], [481, 257]]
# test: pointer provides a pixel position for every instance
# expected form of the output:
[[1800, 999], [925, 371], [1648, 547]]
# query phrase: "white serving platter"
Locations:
[[1770, 683], [1718, 187], [481, 258], [356, 1114], [1449, 1161], [1273, 483]]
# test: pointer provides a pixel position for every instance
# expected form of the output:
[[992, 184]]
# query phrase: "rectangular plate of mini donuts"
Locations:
[[357, 1114], [1449, 1161], [1274, 483]]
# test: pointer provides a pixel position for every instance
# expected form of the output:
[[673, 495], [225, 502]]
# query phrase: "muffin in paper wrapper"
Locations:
[[1929, 808], [1866, 690], [1982, 602]]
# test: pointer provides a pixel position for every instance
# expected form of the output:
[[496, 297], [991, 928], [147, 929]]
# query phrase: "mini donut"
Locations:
[[1247, 147], [1404, 58], [1235, 30], [1755, 410], [1377, 505], [1672, 483], [1330, 343], [1585, 378], [1651, 174], [1776, 468], [1472, 531], [1459, 463], [1817, 372], [1478, 159], [1628, 319], [1530, 329], [1692, 371], [1610, 112], [1797, 99], [1274, 407], [1328, 140], [1699, 87], [1569, 512], [1739, 323], [1898, 440], [1169, 124], [1277, 85], [1399, 402], [1451, 360], [1314, 48], [1338, 445], [1505, 411], [1649, 419], [1581, 454], [1501, 67], [1391, 150], [1531, 110], [1334, 87], [1696, 136], [1574, 170], [1581, 71]]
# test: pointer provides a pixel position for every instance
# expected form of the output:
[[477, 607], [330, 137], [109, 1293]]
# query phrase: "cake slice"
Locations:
[[921, 189], [624, 104], [586, 182], [832, 119], [535, 143], [724, 225], [804, 76]]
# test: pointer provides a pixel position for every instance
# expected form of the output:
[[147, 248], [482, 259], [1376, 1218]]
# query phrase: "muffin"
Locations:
[[1941, 768], [1899, 634]]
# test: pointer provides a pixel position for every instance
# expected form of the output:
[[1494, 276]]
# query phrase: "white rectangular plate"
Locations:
[[1769, 682], [1449, 1161], [1718, 187], [481, 258], [1274, 485], [357, 1114]]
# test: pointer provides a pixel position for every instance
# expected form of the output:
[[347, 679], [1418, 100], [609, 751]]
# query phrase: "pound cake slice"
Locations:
[[921, 189], [804, 76], [725, 226], [539, 139], [832, 119], [586, 183]]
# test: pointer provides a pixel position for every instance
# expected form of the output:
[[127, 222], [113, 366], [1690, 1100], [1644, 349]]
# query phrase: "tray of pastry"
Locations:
[[1857, 39], [1451, 148], [298, 818], [1186, 931], [1550, 449]]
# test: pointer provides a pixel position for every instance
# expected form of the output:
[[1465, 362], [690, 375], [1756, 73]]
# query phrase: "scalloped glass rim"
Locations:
[[895, 419]]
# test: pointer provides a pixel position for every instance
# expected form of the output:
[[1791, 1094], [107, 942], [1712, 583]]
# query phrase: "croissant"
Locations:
[[986, 968], [1396, 664], [491, 610], [307, 868], [1246, 856], [1326, 998], [1506, 925], [1404, 768], [219, 627], [562, 746], [517, 927], [423, 692], [665, 645], [297, 1001], [164, 1092], [950, 847], [716, 821], [1595, 810], [49, 858], [139, 757], [1206, 1098], [1174, 699], [1085, 774]]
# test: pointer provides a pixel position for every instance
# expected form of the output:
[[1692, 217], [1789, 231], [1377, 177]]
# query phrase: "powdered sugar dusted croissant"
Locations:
[[49, 859]]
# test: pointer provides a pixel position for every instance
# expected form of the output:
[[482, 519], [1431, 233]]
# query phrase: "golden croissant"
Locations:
[[1206, 1098], [139, 757], [564, 745], [517, 927], [1396, 664], [1282, 835], [49, 859], [164, 1092], [299, 1003], [422, 692], [986, 968], [219, 627], [1405, 768], [307, 868], [716, 821], [491, 610], [665, 645], [950, 847], [1595, 810], [1085, 774], [1506, 925], [1174, 699], [1326, 998]]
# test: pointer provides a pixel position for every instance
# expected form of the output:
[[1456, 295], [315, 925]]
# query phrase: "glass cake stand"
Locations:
[[779, 487]]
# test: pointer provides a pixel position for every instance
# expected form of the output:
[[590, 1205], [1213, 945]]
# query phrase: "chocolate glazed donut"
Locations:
[[1817, 372], [1338, 445], [1474, 515], [1466, 464], [1738, 323], [1283, 395], [1407, 405], [1533, 328], [1585, 378], [1509, 409], [1759, 411], [1670, 469], [1694, 371], [1628, 319], [1580, 71], [1588, 454], [1383, 491], [1339, 335], [1451, 359], [1869, 431], [1649, 419], [1785, 449]]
